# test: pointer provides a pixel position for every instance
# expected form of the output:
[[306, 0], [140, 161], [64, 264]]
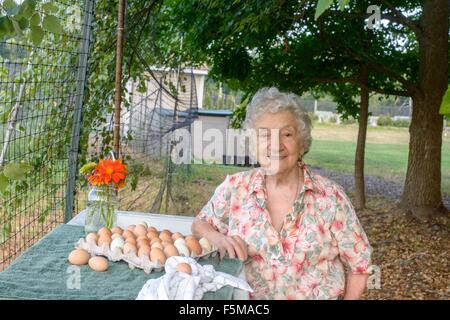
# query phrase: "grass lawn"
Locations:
[[334, 147]]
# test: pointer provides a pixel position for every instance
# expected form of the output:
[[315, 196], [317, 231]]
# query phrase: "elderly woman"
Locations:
[[296, 230]]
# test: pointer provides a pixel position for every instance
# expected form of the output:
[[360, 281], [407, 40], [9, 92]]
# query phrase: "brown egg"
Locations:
[[129, 247], [127, 234], [144, 237], [189, 237], [131, 240], [143, 242], [157, 245], [92, 237], [98, 264], [104, 239], [157, 255], [155, 240], [176, 236], [167, 231], [152, 229], [164, 236], [140, 230], [184, 267], [79, 257], [165, 243], [152, 234], [170, 251], [117, 230], [144, 250], [131, 227], [104, 230], [194, 246]]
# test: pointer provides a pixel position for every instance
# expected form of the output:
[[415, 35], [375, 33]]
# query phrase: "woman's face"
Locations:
[[278, 147]]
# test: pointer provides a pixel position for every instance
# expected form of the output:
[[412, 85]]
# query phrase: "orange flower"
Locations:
[[109, 171]]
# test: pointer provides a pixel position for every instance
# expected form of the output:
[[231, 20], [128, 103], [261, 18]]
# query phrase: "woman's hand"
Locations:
[[233, 245]]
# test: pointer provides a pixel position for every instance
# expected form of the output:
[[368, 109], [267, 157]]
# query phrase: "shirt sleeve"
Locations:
[[354, 248], [216, 211]]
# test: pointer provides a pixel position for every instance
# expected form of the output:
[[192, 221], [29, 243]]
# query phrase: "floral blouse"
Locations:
[[320, 238]]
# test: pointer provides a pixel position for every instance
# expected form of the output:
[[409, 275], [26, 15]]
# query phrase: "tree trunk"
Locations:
[[360, 192], [422, 194]]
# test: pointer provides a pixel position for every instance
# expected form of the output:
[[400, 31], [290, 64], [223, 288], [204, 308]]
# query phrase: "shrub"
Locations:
[[401, 123], [384, 121], [332, 119], [314, 117], [349, 120]]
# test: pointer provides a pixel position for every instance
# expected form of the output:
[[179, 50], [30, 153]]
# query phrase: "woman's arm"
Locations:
[[234, 246], [355, 286]]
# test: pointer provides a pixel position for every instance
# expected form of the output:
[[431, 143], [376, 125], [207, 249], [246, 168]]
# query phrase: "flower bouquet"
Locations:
[[106, 178]]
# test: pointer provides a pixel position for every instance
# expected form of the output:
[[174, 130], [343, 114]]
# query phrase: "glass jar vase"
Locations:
[[101, 211]]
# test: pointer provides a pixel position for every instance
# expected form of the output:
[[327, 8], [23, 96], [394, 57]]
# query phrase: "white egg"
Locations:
[[116, 235], [117, 243], [204, 243], [144, 224], [182, 250], [180, 241]]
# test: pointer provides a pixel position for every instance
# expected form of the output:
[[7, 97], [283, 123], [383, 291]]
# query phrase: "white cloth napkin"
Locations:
[[182, 286]]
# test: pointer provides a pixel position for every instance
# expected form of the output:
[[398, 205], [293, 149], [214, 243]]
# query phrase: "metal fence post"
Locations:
[[76, 126]]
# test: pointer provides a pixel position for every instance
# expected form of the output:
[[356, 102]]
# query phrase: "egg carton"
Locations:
[[131, 258]]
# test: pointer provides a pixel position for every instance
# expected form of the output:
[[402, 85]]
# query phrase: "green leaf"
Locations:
[[11, 7], [342, 4], [16, 171], [35, 19], [322, 5], [445, 105], [37, 34], [16, 26], [6, 26], [49, 7], [27, 8], [51, 23], [3, 183]]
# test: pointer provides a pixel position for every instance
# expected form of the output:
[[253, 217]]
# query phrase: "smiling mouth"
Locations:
[[276, 157]]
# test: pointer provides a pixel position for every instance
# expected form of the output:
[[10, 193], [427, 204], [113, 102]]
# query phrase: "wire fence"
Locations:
[[41, 93]]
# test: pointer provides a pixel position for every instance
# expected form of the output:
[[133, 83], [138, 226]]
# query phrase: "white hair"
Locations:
[[272, 100]]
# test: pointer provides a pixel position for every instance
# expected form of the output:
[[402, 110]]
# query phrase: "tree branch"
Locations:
[[401, 18]]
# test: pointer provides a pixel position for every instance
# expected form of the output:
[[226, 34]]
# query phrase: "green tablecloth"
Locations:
[[43, 272]]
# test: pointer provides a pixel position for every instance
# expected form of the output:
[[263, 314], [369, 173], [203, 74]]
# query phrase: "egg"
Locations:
[[117, 230], [165, 243], [152, 229], [182, 250], [144, 237], [167, 231], [79, 257], [98, 264], [170, 250], [116, 235], [152, 234], [140, 230], [180, 241], [104, 230], [157, 255], [155, 240], [104, 239], [131, 227], [144, 250], [92, 237], [164, 236], [117, 243], [129, 247], [205, 244], [176, 236], [143, 223], [127, 234], [131, 240], [194, 246], [184, 267], [157, 245], [143, 242]]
